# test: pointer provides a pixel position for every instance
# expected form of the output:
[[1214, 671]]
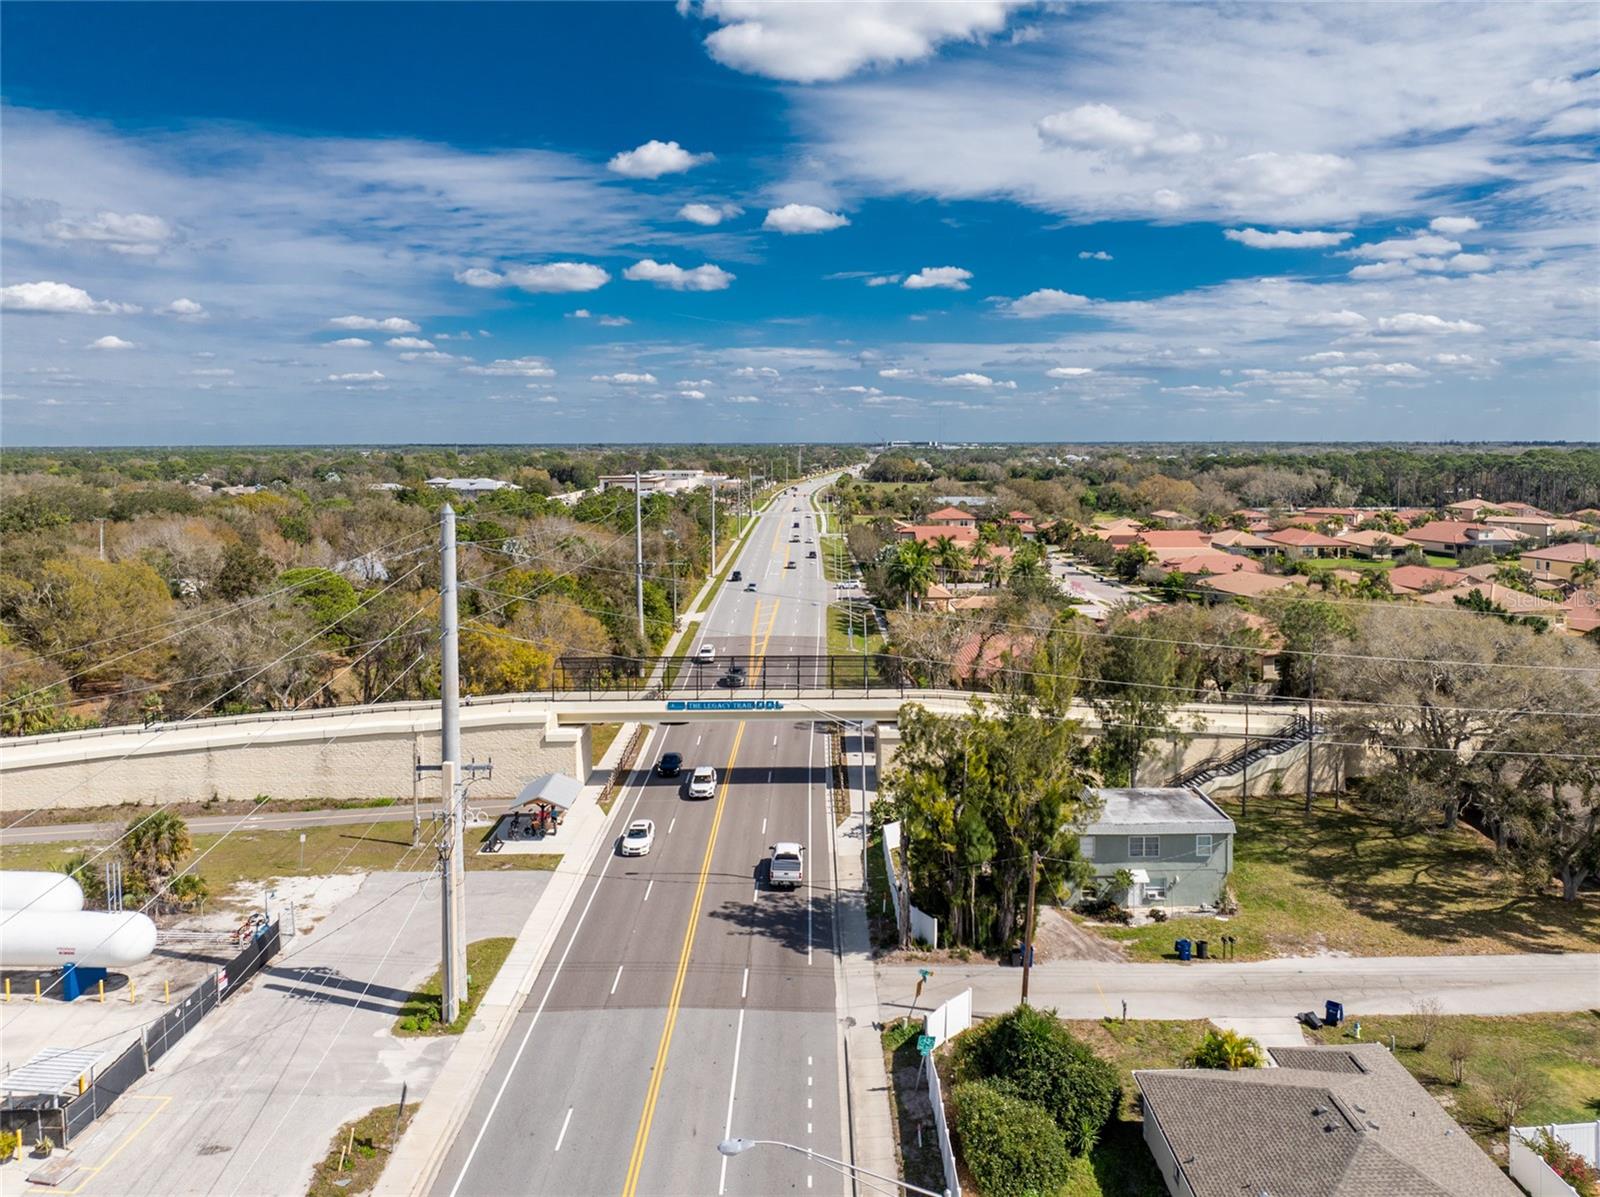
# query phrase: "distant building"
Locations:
[[662, 482], [963, 500], [471, 488], [1451, 538], [1557, 563], [388, 487]]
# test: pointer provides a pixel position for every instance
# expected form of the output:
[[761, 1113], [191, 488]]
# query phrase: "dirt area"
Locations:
[[1059, 937]]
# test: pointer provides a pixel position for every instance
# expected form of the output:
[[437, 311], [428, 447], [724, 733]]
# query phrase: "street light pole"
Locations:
[[736, 1146]]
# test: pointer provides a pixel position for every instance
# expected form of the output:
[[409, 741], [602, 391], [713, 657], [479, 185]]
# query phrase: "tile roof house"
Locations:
[[1514, 602], [1182, 538], [1558, 561], [1453, 537], [1471, 508], [1243, 585], [1301, 543], [1583, 611], [1236, 541], [926, 533], [1376, 544], [1417, 579], [979, 656], [1338, 1121], [1541, 529], [954, 517], [1212, 561]]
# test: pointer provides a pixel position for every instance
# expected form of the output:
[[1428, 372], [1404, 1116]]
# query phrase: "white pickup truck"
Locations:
[[786, 867]]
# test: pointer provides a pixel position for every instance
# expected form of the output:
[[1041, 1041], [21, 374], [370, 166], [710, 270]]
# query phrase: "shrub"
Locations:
[[1029, 1053], [1565, 1163], [1158, 915], [10, 1141], [1013, 1148], [1226, 1049]]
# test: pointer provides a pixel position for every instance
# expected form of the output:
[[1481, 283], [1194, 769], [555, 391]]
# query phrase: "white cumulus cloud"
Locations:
[[971, 379], [756, 372], [669, 274], [185, 309], [409, 343], [361, 376], [1285, 239], [1045, 302], [883, 280], [654, 159], [514, 367], [804, 42], [1408, 323], [1454, 226], [1093, 255], [708, 214], [624, 379], [952, 278], [392, 324], [59, 299], [549, 278], [803, 218], [1069, 372], [350, 343], [110, 342], [135, 233]]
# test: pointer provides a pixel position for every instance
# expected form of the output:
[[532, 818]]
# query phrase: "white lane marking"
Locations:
[[808, 1061], [763, 827], [697, 740], [733, 1084], [808, 1128], [672, 824], [648, 888], [527, 1036], [561, 1138], [744, 986], [808, 1176], [774, 741], [808, 1079], [808, 1103], [615, 979]]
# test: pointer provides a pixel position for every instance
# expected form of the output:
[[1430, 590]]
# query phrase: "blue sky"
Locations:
[[732, 220]]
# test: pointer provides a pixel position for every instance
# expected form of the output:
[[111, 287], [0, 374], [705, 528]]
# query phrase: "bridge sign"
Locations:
[[725, 704]]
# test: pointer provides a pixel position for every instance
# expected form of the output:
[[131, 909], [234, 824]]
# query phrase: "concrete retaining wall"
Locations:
[[365, 752]]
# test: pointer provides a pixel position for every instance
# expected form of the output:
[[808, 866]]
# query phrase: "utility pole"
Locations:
[[453, 970], [1311, 728], [638, 550], [1027, 930], [100, 521], [713, 527]]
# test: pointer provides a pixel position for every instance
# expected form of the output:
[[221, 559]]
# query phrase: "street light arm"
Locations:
[[735, 1146]]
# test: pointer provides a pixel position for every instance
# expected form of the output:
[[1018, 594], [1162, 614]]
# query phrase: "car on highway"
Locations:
[[705, 654], [811, 555], [797, 523], [790, 564], [670, 764], [638, 839], [734, 679], [786, 867], [736, 576], [703, 782], [750, 588]]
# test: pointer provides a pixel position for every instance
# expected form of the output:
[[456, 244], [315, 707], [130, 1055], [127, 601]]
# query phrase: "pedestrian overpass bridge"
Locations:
[[365, 752]]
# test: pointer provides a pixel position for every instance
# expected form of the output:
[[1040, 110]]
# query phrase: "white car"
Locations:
[[638, 839], [705, 654], [703, 782]]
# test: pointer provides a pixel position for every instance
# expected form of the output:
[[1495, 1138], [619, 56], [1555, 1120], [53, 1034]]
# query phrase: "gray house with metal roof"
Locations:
[[1177, 844], [1340, 1121]]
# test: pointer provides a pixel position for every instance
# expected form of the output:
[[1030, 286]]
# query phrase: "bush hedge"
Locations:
[[1030, 1054], [1013, 1148]]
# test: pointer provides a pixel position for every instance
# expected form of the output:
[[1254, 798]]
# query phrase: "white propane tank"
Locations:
[[87, 937], [41, 892]]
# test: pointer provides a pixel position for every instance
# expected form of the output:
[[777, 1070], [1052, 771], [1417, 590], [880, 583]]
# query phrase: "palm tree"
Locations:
[[1027, 565], [911, 570], [154, 846], [1227, 1049], [949, 556], [1586, 572]]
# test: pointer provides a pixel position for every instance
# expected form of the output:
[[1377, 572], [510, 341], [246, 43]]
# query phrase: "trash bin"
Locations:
[[1182, 947], [1016, 956], [1202, 948], [1333, 1013]]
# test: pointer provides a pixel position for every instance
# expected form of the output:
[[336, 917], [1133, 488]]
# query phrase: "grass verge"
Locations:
[[364, 1146], [1346, 881], [920, 1162], [420, 1014], [880, 914], [248, 855], [601, 736], [125, 812], [1554, 1059]]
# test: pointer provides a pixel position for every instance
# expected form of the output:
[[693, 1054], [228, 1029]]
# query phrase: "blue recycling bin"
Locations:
[[1184, 949], [1333, 1013]]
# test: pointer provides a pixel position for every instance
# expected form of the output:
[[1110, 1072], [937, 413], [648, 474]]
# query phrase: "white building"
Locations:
[[662, 482], [471, 488]]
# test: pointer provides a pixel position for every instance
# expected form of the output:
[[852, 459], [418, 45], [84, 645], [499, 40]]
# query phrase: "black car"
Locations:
[[734, 679], [670, 764], [736, 576]]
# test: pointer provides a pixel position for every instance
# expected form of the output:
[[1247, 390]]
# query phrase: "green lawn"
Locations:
[[1360, 564], [1346, 881], [1562, 1051], [254, 856], [600, 737], [420, 1014]]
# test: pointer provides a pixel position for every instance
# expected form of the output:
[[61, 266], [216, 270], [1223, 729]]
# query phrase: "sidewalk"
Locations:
[[871, 1115], [412, 1167]]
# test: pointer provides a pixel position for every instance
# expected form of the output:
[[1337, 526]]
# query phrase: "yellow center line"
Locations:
[[642, 1137]]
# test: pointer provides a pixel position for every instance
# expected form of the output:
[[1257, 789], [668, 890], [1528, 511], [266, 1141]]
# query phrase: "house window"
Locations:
[[1144, 846], [1086, 847], [1202, 846]]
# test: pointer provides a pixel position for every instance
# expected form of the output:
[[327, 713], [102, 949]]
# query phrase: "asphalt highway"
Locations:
[[683, 1001]]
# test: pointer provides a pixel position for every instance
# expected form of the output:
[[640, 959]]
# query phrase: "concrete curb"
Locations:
[[415, 1164]]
